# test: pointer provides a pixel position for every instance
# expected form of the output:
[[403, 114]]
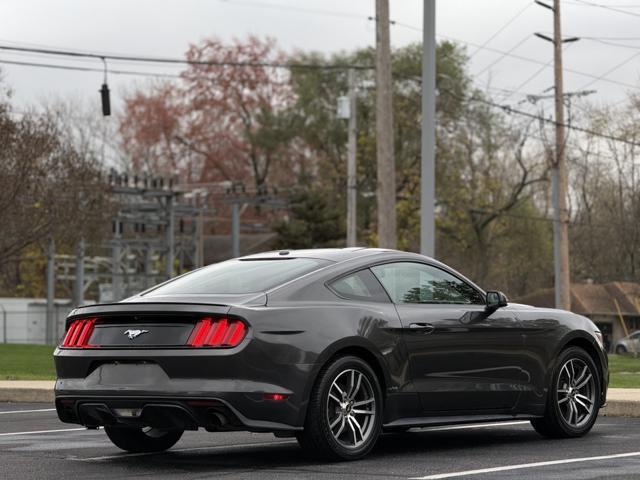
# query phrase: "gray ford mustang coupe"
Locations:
[[332, 346]]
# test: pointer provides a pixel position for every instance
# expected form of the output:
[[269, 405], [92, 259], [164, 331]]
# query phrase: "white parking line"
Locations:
[[192, 449], [42, 431], [526, 465], [29, 411]]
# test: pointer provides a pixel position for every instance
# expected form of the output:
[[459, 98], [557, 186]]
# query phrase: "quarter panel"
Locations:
[[310, 333]]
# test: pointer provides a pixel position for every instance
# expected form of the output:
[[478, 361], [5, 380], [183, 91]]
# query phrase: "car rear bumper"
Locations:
[[212, 414], [217, 390]]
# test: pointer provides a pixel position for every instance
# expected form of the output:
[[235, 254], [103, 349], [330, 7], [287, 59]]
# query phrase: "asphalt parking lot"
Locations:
[[35, 445]]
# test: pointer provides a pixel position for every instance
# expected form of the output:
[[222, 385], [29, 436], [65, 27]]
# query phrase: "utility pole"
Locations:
[[347, 108], [559, 177], [428, 165], [79, 283], [386, 191], [116, 254], [559, 170], [51, 293], [235, 229], [170, 233]]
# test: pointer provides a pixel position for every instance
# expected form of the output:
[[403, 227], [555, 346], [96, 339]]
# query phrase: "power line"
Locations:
[[611, 70], [600, 37], [536, 73], [88, 69], [501, 29], [181, 61], [501, 57], [293, 8], [606, 7], [293, 65], [540, 62], [530, 78], [614, 44], [520, 57], [511, 110]]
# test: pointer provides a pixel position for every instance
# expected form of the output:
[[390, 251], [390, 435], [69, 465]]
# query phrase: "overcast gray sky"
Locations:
[[166, 27]]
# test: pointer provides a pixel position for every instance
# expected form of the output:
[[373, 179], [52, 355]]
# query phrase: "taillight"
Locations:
[[79, 333], [217, 332]]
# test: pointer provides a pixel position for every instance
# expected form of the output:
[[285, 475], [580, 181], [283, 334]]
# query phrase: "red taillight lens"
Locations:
[[79, 333], [217, 332]]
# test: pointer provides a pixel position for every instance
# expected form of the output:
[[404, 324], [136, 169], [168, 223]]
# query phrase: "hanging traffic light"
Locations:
[[106, 101], [104, 93]]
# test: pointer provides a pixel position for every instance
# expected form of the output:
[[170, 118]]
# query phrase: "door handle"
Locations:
[[422, 327]]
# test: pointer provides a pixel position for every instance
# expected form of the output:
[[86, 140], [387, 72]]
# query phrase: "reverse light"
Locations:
[[79, 333], [217, 332]]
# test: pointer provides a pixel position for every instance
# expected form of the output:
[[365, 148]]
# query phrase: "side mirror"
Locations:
[[495, 300]]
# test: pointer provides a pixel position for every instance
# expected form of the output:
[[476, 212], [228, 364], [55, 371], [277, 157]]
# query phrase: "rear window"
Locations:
[[240, 276]]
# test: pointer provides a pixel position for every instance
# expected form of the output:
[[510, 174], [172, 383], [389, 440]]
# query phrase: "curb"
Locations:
[[27, 391], [621, 408], [35, 395]]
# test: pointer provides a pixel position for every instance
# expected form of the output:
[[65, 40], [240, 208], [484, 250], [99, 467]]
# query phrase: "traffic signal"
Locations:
[[106, 101]]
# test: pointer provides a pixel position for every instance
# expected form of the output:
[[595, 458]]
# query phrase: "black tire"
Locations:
[[317, 438], [554, 424], [621, 350], [143, 440]]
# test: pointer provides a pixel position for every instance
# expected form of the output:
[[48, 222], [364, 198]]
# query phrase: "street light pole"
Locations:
[[428, 169]]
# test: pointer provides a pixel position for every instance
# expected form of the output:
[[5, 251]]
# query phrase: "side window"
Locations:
[[361, 285], [408, 282]]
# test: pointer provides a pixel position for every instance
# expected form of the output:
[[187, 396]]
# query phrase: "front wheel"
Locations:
[[573, 399], [147, 439], [344, 417]]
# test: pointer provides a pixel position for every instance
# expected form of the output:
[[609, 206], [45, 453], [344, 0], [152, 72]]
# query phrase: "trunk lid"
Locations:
[[145, 324]]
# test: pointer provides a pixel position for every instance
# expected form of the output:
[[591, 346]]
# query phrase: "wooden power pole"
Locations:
[[559, 169], [559, 177], [386, 191]]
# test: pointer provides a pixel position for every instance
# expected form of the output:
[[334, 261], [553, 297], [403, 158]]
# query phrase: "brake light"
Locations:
[[217, 332], [79, 333]]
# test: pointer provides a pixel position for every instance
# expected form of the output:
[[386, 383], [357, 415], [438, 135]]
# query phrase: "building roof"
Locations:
[[593, 298]]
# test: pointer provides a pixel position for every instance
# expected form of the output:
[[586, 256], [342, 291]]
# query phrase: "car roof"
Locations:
[[331, 254]]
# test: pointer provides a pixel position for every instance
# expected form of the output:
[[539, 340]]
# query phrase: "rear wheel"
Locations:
[[573, 399], [344, 416], [145, 439], [621, 350]]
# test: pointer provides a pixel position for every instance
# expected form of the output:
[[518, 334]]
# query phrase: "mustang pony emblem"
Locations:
[[135, 333]]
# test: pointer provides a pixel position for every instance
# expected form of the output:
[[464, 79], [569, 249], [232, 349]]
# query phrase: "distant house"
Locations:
[[598, 302]]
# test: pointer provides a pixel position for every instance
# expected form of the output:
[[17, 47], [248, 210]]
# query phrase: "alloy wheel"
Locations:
[[576, 392], [351, 408]]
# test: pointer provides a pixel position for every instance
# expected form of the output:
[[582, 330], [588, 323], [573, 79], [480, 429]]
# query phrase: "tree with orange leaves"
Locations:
[[226, 119]]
